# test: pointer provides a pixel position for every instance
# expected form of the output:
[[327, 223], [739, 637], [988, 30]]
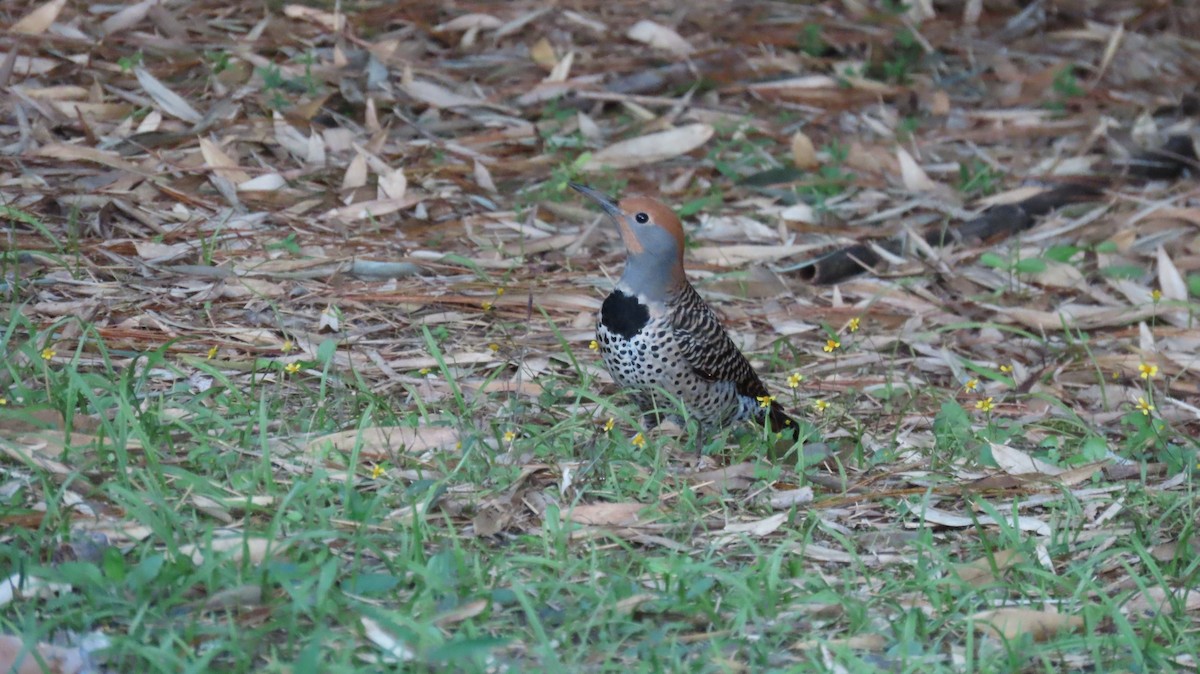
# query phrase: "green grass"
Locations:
[[168, 469], [174, 479]]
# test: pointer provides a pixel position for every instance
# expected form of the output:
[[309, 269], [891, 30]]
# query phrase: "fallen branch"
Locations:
[[1171, 161]]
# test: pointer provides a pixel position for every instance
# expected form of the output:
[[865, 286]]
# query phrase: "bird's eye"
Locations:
[[642, 218]]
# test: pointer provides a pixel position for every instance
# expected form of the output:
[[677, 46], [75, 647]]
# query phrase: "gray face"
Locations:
[[651, 238], [650, 270], [655, 240]]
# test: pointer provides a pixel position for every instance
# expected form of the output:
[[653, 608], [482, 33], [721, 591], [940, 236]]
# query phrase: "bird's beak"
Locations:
[[605, 203]]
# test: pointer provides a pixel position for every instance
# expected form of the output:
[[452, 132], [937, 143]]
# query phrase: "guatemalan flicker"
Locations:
[[656, 334]]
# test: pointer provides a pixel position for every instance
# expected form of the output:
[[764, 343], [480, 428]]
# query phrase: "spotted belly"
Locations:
[[647, 363]]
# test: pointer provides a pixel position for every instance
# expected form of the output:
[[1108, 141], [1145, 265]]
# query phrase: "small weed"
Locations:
[[288, 243], [907, 128], [904, 57], [131, 61], [810, 40], [279, 88], [978, 179], [1014, 265], [218, 61], [1065, 88]]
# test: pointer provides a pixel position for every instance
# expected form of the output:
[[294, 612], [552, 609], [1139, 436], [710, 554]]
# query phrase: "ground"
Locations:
[[298, 313]]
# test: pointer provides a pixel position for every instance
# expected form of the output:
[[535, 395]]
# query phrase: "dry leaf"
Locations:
[[649, 149], [67, 152], [356, 173], [608, 514], [784, 500], [489, 522], [263, 183], [659, 36], [392, 647], [542, 53], [221, 163], [289, 137], [170, 102], [735, 256], [562, 70], [158, 253], [470, 22], [385, 442], [36, 23], [804, 154], [483, 178], [800, 212], [757, 528], [1058, 275], [866, 642], [14, 659], [1156, 600], [465, 612], [737, 477], [439, 96], [328, 20], [983, 571], [946, 519], [806, 82], [235, 549], [911, 173], [364, 210], [127, 17], [21, 586], [1015, 462], [1170, 281], [1010, 623], [393, 184]]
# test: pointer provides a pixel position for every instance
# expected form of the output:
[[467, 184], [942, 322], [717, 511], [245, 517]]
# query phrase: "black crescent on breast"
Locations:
[[624, 314]]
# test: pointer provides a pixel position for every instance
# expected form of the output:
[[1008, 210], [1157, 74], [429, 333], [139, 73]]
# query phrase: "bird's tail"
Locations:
[[779, 422]]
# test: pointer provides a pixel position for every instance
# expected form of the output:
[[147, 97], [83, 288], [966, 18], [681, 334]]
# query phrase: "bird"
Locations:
[[656, 334]]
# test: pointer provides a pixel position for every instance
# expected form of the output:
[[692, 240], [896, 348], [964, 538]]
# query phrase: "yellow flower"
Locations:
[[639, 441], [3, 402], [509, 436], [608, 425], [1145, 407], [424, 371], [48, 353], [594, 345], [984, 405], [494, 347], [821, 405], [1156, 294], [794, 379], [1148, 371], [487, 306], [765, 401], [1116, 375], [853, 327], [831, 345], [287, 346], [499, 292], [376, 471], [1006, 368], [291, 368], [971, 385], [212, 352]]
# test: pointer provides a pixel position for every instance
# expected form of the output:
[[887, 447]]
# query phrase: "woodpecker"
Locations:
[[657, 335]]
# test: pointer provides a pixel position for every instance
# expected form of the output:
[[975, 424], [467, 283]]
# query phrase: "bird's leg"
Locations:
[[700, 439], [651, 417]]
